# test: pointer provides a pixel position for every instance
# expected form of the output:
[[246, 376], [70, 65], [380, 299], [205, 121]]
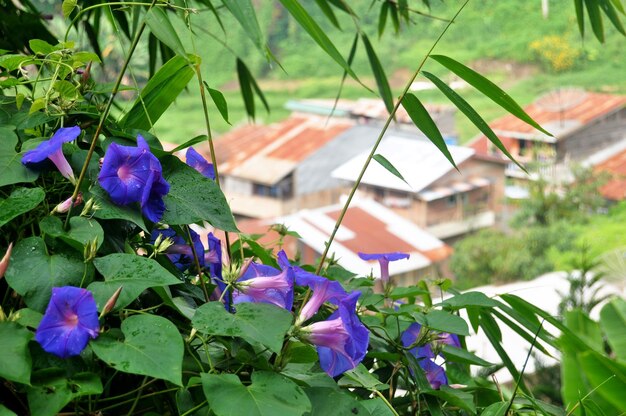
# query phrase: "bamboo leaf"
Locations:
[[471, 114], [161, 26], [219, 101], [393, 12], [611, 13], [158, 94], [345, 73], [328, 12], [246, 88], [425, 123], [382, 18], [244, 12], [216, 14], [189, 143], [247, 84], [618, 5], [389, 166], [316, 32], [379, 74], [593, 9], [491, 330], [488, 88]]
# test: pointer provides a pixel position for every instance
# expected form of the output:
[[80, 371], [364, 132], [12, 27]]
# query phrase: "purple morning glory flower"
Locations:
[[180, 252], [384, 259], [261, 283], [71, 319], [323, 290], [53, 149], [450, 339], [133, 174], [213, 260], [341, 340], [196, 161], [435, 373]]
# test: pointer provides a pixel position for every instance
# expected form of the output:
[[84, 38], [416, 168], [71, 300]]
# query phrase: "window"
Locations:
[[282, 189], [524, 147], [451, 201]]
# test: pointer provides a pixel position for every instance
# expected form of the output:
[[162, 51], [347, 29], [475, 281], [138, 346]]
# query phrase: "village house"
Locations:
[[278, 169], [433, 195], [265, 169], [612, 163], [367, 227], [581, 122]]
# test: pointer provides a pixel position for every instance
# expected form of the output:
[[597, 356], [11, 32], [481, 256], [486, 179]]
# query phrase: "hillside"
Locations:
[[493, 36]]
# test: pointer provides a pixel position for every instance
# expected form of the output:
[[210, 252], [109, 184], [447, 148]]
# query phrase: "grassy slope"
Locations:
[[486, 30]]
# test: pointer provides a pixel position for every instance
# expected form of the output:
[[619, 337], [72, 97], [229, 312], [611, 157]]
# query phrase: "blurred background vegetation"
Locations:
[[508, 41]]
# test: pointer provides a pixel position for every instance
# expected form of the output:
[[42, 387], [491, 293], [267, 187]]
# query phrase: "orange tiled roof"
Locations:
[[582, 107], [615, 188], [569, 108], [291, 140]]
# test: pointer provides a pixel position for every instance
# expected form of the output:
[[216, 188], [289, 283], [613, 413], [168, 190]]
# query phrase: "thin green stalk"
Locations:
[[197, 262], [384, 399], [210, 140], [207, 121], [521, 374], [105, 114], [156, 393], [208, 355], [132, 408], [378, 140], [108, 399], [579, 402], [193, 409]]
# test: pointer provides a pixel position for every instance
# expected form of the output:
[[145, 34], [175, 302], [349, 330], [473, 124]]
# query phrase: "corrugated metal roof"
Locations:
[[372, 228], [367, 227], [245, 151], [419, 162]]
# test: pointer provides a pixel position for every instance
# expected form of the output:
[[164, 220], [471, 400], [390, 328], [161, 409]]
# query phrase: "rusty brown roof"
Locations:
[[615, 166], [291, 140], [559, 108]]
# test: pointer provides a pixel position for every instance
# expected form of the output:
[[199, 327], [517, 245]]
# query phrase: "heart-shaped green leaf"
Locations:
[[19, 202], [11, 168], [33, 273], [194, 198], [133, 272], [255, 322], [269, 394], [15, 362], [51, 390], [81, 232], [152, 346]]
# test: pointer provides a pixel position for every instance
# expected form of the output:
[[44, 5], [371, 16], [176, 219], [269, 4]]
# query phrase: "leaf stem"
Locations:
[[382, 396], [197, 262], [379, 139], [210, 140], [132, 408], [105, 114]]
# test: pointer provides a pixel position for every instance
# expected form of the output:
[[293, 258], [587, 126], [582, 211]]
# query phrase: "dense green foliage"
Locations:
[[117, 307]]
